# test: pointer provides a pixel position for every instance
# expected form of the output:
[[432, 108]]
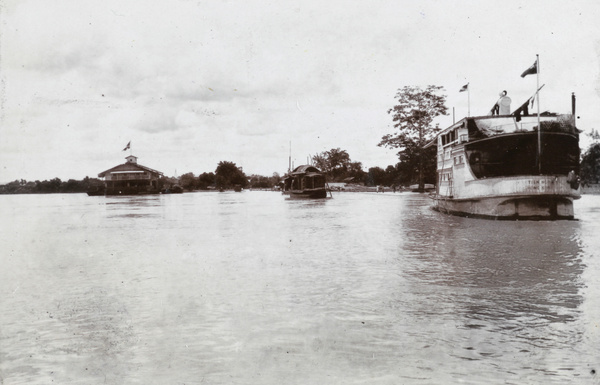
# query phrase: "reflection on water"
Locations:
[[254, 288], [133, 206]]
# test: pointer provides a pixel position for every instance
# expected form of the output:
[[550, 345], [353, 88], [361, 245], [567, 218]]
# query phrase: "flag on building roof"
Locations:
[[531, 70], [128, 146], [464, 88]]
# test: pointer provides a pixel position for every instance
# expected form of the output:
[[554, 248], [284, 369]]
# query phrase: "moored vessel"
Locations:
[[509, 166], [130, 178], [305, 182]]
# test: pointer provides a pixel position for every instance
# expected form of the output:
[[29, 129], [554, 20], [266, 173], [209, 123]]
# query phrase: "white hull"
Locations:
[[522, 197], [514, 207]]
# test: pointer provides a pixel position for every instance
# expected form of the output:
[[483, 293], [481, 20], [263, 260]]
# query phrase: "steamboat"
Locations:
[[305, 182], [509, 166]]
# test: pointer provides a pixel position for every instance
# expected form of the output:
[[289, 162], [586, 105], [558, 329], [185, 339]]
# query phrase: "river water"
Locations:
[[254, 288]]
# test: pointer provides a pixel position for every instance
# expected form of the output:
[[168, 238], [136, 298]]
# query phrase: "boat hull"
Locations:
[[525, 197], [548, 207]]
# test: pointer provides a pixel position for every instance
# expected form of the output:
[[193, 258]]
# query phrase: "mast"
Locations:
[[573, 108], [468, 100], [539, 146]]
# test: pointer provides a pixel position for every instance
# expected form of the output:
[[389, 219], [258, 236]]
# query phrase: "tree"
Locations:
[[590, 165], [376, 176], [259, 181], [336, 163], [205, 180], [275, 179], [594, 135], [188, 181], [228, 174], [413, 117], [356, 172], [320, 161]]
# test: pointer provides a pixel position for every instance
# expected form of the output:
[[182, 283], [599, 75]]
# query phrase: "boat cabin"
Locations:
[[305, 178]]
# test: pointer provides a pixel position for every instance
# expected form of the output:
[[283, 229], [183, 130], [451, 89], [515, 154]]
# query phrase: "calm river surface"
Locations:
[[254, 288]]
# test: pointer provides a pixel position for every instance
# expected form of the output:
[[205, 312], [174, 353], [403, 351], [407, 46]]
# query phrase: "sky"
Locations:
[[193, 83]]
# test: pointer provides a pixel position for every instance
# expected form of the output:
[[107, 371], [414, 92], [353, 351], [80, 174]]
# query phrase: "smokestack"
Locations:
[[573, 109]]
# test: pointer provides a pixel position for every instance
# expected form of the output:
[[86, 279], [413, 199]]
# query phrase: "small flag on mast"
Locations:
[[128, 146], [531, 70], [464, 88]]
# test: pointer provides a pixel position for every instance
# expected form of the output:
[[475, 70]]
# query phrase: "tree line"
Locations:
[[55, 185], [335, 163]]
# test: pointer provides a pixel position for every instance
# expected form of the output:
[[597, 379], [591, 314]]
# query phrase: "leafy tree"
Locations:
[[259, 181], [376, 176], [205, 180], [275, 179], [594, 135], [228, 174], [337, 165], [49, 186], [590, 165], [11, 187], [320, 162], [356, 172], [413, 117], [71, 186], [338, 161], [188, 181]]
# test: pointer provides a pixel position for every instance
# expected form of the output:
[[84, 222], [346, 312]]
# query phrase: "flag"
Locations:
[[533, 101], [464, 88], [531, 70], [128, 146]]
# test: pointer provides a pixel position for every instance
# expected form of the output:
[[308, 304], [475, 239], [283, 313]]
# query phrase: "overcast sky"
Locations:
[[192, 83]]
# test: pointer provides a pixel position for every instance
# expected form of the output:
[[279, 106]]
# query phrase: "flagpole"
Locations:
[[537, 63], [468, 100]]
